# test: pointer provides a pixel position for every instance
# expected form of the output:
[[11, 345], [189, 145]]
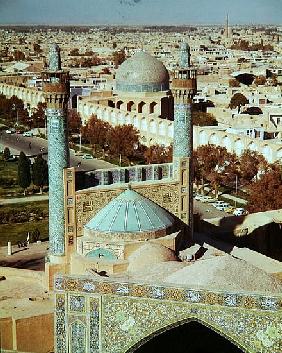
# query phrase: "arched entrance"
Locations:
[[190, 337]]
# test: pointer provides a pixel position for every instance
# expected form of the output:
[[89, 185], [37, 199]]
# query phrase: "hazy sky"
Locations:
[[139, 11]]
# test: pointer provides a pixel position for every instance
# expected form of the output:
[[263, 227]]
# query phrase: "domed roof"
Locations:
[[130, 212], [142, 73]]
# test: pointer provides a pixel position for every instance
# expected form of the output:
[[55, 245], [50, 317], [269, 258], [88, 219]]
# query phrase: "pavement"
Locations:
[[23, 199], [32, 146], [31, 257]]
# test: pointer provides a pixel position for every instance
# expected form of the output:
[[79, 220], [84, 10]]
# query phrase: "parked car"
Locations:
[[28, 134], [223, 206], [198, 197], [239, 211], [10, 131], [87, 156], [217, 203], [78, 153]]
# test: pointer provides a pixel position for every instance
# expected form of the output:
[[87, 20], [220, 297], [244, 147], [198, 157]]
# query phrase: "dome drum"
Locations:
[[125, 236], [148, 87]]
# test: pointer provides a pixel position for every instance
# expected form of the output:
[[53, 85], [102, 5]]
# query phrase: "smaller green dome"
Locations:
[[130, 212]]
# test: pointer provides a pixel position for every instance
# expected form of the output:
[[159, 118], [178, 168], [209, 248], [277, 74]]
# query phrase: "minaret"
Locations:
[[227, 26], [184, 87], [56, 89]]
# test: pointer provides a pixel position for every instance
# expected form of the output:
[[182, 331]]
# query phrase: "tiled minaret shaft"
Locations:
[[56, 92], [184, 87]]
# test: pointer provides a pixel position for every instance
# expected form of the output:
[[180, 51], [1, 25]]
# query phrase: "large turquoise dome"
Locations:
[[142, 73], [130, 212]]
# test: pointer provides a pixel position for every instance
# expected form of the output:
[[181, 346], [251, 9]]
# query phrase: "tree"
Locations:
[[19, 55], [38, 116], [260, 80], [118, 57], [251, 163], [234, 83], [238, 100], [123, 140], [74, 121], [106, 71], [203, 119], [40, 172], [253, 111], [37, 48], [97, 131], [35, 234], [74, 52], [6, 154], [24, 176], [157, 154], [266, 193], [213, 164]]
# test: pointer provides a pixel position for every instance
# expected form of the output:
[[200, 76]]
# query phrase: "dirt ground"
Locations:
[[32, 257]]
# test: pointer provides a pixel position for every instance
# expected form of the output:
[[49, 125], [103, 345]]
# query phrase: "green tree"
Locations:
[[24, 175], [40, 172], [6, 154], [237, 101], [35, 234]]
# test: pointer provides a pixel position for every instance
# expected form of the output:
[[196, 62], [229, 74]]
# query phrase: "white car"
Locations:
[[10, 131], [239, 211], [223, 206], [87, 156], [28, 134], [217, 203]]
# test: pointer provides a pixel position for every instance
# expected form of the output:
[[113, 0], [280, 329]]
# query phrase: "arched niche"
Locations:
[[101, 253], [191, 336]]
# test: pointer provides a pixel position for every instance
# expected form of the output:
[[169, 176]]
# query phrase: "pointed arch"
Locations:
[[137, 348]]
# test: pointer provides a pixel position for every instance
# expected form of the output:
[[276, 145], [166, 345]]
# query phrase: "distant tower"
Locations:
[[56, 89], [184, 87], [227, 26]]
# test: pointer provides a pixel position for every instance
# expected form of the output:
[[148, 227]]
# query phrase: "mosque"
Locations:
[[126, 273]]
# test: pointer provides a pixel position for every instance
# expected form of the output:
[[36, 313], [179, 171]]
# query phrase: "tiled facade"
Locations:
[[58, 159], [115, 317]]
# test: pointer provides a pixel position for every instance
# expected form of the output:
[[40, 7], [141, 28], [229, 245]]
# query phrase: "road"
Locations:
[[32, 146], [206, 210]]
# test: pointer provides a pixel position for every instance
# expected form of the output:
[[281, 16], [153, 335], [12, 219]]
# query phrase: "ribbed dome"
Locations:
[[130, 212], [142, 73]]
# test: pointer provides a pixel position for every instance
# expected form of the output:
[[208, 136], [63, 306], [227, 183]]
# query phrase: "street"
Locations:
[[206, 210], [32, 146]]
